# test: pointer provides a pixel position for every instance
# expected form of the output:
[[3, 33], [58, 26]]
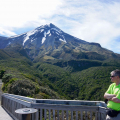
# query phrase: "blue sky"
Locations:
[[90, 20]]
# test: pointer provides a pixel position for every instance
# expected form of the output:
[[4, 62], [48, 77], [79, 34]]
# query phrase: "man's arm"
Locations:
[[116, 100], [112, 97], [109, 96]]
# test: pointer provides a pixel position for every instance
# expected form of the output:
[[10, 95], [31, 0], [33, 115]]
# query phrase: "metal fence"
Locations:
[[54, 109]]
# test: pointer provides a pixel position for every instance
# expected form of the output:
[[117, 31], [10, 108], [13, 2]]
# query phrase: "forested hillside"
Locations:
[[74, 79]]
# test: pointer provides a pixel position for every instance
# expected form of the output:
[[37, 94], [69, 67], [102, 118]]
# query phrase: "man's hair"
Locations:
[[116, 72]]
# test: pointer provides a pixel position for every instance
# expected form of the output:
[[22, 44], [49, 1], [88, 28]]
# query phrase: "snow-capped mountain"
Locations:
[[49, 42], [40, 34], [43, 35]]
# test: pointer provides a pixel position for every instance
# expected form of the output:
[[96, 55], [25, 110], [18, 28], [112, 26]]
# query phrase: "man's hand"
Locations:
[[116, 100]]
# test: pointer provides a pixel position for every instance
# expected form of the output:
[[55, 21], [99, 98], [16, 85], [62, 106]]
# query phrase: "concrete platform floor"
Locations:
[[4, 115]]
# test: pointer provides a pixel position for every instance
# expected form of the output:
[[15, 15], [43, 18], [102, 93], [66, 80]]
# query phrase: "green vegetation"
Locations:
[[81, 79]]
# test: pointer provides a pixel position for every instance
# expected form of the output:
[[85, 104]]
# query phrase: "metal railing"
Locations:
[[54, 109]]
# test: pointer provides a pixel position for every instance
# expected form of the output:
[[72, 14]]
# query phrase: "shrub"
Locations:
[[2, 73], [46, 93], [23, 87], [6, 78]]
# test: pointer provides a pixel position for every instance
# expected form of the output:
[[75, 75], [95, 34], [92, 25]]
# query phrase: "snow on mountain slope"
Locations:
[[46, 30], [45, 34], [28, 34]]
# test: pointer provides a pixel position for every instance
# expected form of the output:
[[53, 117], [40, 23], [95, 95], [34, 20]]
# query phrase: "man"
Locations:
[[113, 95]]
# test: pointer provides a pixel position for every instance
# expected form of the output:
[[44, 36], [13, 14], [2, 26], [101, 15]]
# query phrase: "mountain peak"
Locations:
[[52, 25]]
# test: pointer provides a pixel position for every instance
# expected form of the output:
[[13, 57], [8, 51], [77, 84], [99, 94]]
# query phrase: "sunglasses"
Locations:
[[112, 76]]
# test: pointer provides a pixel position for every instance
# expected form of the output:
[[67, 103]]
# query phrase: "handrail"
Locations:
[[20, 97], [72, 102], [58, 101], [54, 108]]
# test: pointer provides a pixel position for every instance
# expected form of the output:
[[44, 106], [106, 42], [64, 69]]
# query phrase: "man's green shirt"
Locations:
[[113, 89]]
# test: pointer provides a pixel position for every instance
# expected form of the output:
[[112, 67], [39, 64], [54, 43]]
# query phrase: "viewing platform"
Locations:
[[51, 109]]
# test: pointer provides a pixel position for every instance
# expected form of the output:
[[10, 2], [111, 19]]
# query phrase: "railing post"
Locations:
[[26, 113]]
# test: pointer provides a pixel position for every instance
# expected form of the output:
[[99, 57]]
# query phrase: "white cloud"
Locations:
[[90, 20], [15, 13], [5, 32], [98, 22]]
